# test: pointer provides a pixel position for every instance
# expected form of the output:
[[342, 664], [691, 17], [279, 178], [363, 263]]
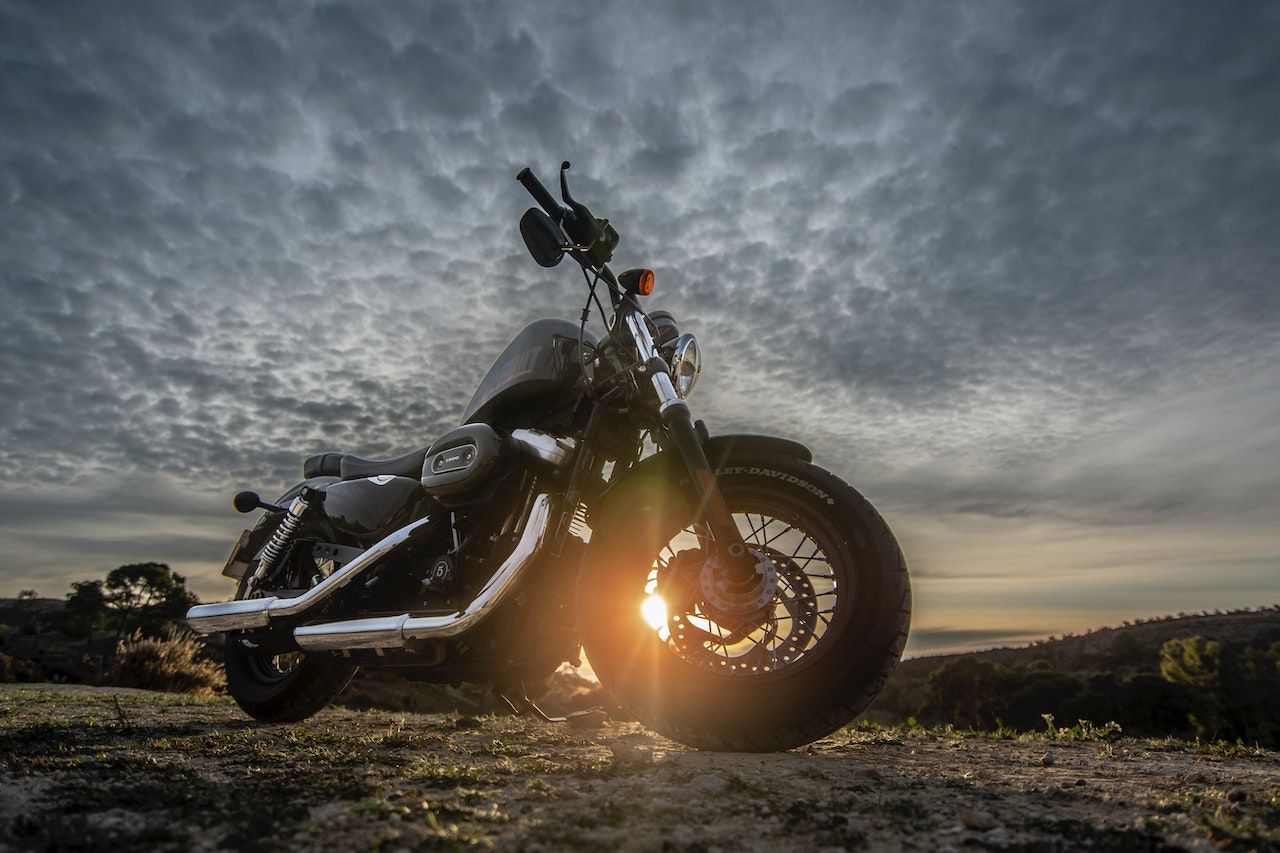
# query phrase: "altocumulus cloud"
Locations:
[[1002, 266]]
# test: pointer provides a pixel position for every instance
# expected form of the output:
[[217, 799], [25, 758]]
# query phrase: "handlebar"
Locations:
[[591, 241], [544, 199]]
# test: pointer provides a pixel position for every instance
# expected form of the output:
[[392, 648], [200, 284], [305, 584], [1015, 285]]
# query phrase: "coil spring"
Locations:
[[285, 534]]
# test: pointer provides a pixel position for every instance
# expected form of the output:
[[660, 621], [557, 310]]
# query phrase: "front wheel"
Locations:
[[707, 660]]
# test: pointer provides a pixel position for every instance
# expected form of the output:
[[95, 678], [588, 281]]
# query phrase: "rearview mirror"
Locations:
[[542, 237]]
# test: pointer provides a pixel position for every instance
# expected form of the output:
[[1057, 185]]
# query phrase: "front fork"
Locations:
[[678, 421]]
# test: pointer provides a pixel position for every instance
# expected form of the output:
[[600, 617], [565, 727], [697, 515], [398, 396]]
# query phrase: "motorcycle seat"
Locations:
[[354, 468]]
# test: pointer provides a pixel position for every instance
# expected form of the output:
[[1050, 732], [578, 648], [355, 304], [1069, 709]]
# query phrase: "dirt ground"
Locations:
[[105, 768]]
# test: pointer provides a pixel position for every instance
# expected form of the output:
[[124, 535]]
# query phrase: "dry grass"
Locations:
[[170, 664]]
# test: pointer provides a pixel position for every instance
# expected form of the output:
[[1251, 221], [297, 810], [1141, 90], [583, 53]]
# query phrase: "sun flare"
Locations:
[[654, 610]]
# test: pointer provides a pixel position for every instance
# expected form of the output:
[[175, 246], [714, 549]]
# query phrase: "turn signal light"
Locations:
[[639, 282]]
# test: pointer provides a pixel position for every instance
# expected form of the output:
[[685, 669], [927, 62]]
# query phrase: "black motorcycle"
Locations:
[[728, 593]]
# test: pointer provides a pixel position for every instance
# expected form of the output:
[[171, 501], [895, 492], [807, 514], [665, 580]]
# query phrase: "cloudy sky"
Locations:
[[1008, 268]]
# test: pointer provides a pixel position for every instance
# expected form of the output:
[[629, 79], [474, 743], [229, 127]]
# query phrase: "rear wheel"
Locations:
[[284, 686], [766, 665]]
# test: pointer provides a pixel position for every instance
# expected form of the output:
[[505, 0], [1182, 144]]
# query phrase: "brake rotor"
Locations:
[[769, 638]]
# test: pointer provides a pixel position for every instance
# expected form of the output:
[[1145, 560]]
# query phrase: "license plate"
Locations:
[[237, 564]]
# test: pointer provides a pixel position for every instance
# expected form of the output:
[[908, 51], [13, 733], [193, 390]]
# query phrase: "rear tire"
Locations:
[[817, 646], [288, 687], [276, 692]]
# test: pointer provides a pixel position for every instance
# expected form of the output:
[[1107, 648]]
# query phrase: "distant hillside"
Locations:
[[1126, 650]]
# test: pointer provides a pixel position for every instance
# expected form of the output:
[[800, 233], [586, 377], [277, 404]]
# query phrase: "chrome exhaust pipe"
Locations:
[[395, 632], [258, 612]]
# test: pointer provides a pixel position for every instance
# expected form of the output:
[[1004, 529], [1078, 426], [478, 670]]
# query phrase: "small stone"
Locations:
[[979, 820], [466, 723], [626, 754], [1047, 759], [709, 784], [998, 837]]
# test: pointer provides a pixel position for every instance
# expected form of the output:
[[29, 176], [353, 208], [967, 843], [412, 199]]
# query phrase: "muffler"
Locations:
[[258, 612], [395, 632], [378, 632]]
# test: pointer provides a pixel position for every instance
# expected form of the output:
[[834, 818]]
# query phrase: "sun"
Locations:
[[654, 610]]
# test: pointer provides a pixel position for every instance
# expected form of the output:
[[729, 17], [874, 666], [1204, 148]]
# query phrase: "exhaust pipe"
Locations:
[[258, 612], [395, 632]]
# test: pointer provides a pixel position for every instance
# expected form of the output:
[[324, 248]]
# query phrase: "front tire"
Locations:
[[778, 670]]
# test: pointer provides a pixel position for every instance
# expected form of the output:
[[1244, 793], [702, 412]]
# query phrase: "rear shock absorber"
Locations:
[[285, 535]]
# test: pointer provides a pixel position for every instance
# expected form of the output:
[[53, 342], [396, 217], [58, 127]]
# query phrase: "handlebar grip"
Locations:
[[540, 194]]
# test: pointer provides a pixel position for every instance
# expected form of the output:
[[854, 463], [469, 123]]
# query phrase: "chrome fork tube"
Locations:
[[654, 364], [679, 423]]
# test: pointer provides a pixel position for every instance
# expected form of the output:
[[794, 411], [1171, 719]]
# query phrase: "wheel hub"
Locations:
[[732, 597], [772, 636]]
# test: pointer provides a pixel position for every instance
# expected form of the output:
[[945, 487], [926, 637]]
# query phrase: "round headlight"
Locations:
[[686, 365]]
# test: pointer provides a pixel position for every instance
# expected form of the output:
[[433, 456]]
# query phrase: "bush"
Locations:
[[17, 669], [170, 664]]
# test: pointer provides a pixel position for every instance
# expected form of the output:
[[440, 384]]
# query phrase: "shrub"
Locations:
[[170, 664], [20, 670], [8, 668]]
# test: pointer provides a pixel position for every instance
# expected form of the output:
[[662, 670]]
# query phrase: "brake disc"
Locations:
[[771, 638]]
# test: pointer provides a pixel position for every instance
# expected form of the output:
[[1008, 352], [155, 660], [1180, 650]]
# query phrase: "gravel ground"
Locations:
[[105, 768]]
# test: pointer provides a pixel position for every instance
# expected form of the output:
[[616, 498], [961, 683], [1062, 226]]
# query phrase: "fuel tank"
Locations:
[[374, 507], [540, 364]]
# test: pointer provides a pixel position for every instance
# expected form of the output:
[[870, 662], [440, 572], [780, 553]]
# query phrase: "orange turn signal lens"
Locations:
[[637, 281]]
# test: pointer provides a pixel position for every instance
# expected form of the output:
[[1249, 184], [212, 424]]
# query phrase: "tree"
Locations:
[[963, 692], [1252, 687], [147, 597], [1151, 705], [1196, 662], [30, 613], [85, 611], [1031, 692]]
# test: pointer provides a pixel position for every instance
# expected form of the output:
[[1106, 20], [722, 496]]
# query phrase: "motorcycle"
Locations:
[[727, 592]]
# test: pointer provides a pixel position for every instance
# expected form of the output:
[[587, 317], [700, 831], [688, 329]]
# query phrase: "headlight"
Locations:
[[686, 365]]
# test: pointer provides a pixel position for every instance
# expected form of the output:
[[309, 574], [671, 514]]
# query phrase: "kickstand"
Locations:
[[517, 698]]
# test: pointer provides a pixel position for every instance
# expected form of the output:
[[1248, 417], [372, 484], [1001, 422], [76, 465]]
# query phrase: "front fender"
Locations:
[[668, 466]]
